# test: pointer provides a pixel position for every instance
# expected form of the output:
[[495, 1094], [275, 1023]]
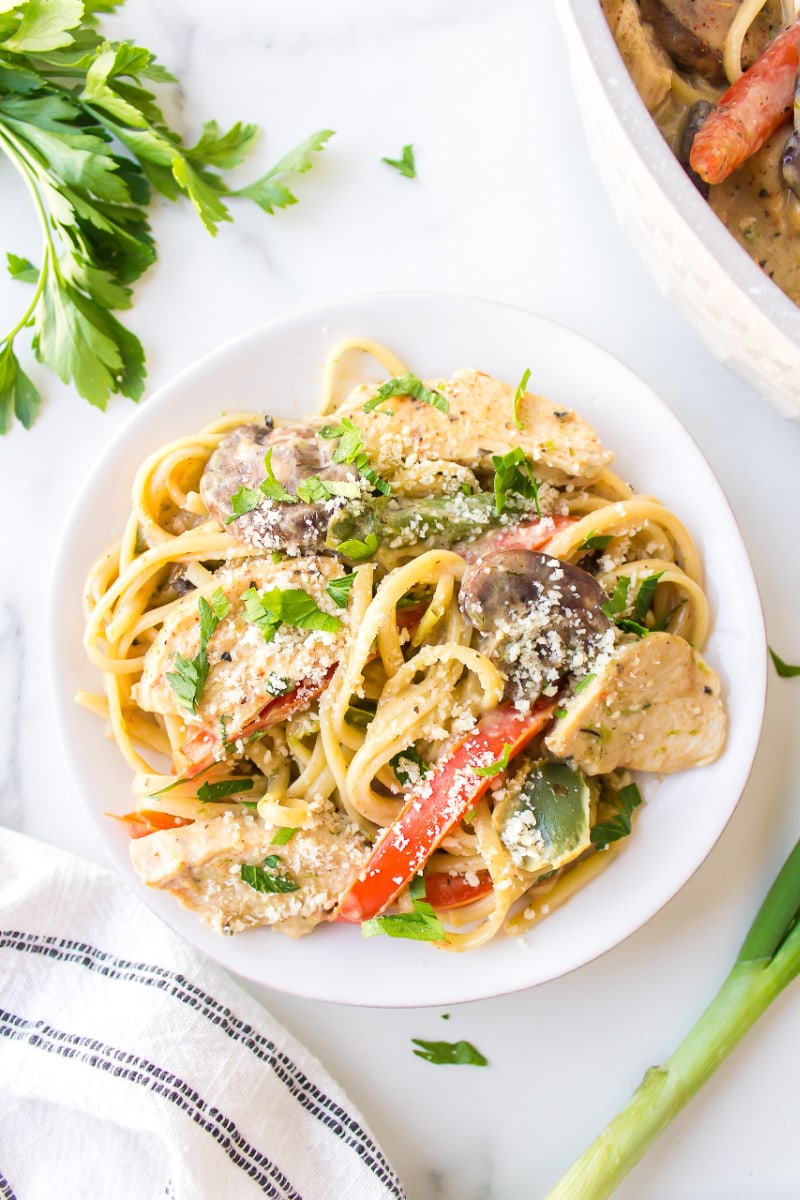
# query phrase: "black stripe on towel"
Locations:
[[307, 1093], [123, 1065], [6, 1192]]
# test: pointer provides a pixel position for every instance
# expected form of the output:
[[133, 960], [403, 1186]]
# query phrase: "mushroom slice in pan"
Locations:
[[654, 706]]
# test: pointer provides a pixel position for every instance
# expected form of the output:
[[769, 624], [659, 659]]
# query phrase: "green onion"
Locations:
[[768, 961]]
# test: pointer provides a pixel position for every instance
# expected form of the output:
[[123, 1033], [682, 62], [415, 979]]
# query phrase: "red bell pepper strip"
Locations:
[[750, 111], [140, 824], [205, 747], [530, 535], [435, 805], [443, 890]]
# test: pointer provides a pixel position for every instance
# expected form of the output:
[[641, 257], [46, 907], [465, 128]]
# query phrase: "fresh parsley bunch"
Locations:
[[92, 144]]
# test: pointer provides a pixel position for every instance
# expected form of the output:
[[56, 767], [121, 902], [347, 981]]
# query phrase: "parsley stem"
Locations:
[[15, 154], [768, 960]]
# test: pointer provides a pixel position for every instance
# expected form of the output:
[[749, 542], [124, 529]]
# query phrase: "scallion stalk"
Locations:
[[768, 960]]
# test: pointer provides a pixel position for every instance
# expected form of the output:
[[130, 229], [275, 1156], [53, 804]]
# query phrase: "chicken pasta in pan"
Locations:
[[394, 663], [720, 78]]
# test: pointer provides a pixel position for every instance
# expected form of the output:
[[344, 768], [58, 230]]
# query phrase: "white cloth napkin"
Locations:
[[132, 1067]]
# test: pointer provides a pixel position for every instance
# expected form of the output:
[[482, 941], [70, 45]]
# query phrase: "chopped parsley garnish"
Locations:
[[351, 450], [450, 1053], [358, 551], [618, 601], [629, 626], [243, 501], [271, 487], [293, 606], [514, 473], [583, 683], [407, 385], [224, 721], [496, 767], [411, 758], [420, 925], [265, 878], [405, 164], [619, 826], [520, 392], [339, 589], [315, 490], [785, 670], [284, 835], [596, 541], [644, 596], [189, 677], [219, 791]]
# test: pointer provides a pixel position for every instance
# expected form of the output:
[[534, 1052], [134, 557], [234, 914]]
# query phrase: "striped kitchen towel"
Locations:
[[131, 1066]]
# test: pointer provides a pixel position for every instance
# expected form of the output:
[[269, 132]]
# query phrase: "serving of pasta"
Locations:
[[394, 663]]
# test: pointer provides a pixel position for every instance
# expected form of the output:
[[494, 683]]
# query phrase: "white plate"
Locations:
[[278, 369]]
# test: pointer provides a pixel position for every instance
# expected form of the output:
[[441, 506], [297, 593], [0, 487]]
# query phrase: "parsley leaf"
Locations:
[[420, 925], [514, 473], [785, 670], [244, 500], [496, 767], [661, 624], [411, 758], [351, 450], [644, 596], [339, 589], [405, 165], [92, 145], [619, 826], [407, 385], [265, 879], [271, 487], [596, 541], [450, 1053], [284, 835], [315, 490], [360, 712], [583, 683], [520, 392], [227, 787], [189, 677], [292, 606], [358, 551], [618, 601]]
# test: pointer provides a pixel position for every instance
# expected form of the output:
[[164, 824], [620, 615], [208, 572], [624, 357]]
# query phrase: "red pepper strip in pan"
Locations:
[[750, 111], [436, 805]]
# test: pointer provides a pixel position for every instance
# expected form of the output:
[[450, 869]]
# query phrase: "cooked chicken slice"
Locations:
[[648, 64], [480, 423], [245, 671], [201, 865], [654, 706]]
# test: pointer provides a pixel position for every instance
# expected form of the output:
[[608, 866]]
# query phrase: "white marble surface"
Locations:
[[506, 205]]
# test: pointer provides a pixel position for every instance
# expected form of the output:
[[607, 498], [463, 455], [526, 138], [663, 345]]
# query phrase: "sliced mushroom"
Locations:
[[694, 120], [298, 453], [654, 706], [684, 42], [543, 618]]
